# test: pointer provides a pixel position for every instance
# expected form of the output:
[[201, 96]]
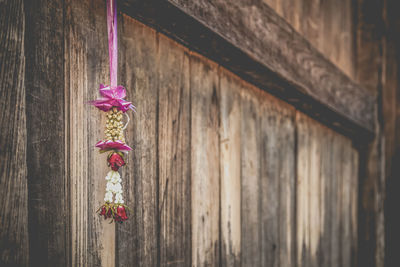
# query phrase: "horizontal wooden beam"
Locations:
[[251, 40]]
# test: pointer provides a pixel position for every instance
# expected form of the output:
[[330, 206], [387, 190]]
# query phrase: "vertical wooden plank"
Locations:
[[277, 182], [309, 157], [347, 166], [269, 185], [230, 139], [13, 182], [205, 182], [48, 196], [302, 203], [325, 188], [287, 179], [310, 21], [354, 207], [250, 180], [327, 25], [315, 131], [174, 154], [369, 49], [137, 239], [92, 238], [335, 201], [325, 164]]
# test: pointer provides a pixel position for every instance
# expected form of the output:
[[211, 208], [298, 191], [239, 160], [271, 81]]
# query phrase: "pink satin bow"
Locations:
[[112, 97]]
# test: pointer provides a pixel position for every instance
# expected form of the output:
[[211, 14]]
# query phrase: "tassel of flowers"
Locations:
[[114, 144], [113, 103]]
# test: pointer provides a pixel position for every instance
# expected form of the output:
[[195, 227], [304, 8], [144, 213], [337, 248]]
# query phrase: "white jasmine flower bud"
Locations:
[[117, 188], [108, 197]]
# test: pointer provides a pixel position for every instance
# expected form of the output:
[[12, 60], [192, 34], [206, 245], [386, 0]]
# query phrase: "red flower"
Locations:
[[106, 212], [120, 214], [115, 160]]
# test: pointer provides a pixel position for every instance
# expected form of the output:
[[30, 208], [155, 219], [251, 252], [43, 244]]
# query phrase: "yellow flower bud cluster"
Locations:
[[114, 125]]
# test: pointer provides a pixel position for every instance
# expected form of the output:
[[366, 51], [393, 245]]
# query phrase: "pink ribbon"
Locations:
[[112, 40], [112, 96]]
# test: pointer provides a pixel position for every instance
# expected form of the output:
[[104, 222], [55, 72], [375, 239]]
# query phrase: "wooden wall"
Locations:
[[222, 173], [13, 170], [225, 174], [328, 25]]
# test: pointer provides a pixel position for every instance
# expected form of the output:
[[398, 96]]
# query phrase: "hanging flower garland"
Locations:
[[112, 102]]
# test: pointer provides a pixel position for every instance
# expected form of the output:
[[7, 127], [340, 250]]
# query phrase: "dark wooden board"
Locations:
[[251, 40], [326, 196], [13, 180], [174, 154], [137, 239], [48, 187]]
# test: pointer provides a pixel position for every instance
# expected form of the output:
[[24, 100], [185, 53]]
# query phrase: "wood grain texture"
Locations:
[[205, 178], [354, 207], [369, 27], [335, 203], [230, 157], [137, 239], [13, 180], [277, 182], [92, 238], [174, 154], [326, 196], [327, 172], [345, 196], [304, 167], [391, 121], [327, 25], [305, 66], [251, 212], [48, 185], [212, 177], [254, 42]]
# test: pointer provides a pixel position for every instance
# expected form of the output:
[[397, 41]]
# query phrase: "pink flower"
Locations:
[[112, 97], [113, 145]]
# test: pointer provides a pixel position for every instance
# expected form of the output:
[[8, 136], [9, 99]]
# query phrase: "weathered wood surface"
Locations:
[[250, 180], [92, 239], [327, 172], [174, 154], [267, 180], [370, 65], [327, 25], [277, 173], [13, 180], [221, 172], [48, 183], [137, 239], [251, 40], [391, 119], [230, 157], [205, 183]]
